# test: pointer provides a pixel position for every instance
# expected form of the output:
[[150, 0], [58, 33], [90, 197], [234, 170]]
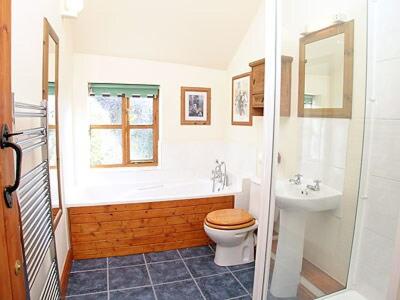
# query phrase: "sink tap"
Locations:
[[297, 179], [316, 187]]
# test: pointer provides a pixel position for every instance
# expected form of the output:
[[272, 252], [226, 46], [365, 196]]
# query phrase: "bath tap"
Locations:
[[296, 180], [315, 187], [219, 175]]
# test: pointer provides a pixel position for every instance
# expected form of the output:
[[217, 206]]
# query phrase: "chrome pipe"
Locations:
[[29, 106], [33, 171]]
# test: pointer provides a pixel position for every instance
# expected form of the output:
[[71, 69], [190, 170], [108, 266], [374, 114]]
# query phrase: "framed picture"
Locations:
[[241, 98], [195, 106]]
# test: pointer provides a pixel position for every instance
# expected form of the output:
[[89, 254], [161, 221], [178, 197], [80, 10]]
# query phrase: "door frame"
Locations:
[[270, 127], [13, 283]]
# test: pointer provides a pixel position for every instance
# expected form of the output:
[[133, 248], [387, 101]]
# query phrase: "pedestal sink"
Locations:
[[295, 203]]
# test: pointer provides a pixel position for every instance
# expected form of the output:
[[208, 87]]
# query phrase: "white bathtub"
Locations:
[[145, 191]]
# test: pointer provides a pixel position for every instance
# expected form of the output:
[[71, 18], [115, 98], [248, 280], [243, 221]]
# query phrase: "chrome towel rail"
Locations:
[[35, 205], [30, 106], [30, 110], [32, 172], [51, 290]]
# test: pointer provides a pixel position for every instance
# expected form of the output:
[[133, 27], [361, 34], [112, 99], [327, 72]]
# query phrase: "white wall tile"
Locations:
[[385, 149], [388, 29], [383, 206], [387, 90]]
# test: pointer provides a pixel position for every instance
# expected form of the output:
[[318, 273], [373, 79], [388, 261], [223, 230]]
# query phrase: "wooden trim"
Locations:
[[65, 274], [257, 62], [346, 112], [49, 32], [125, 130], [12, 285], [111, 126], [183, 105], [109, 230], [250, 122]]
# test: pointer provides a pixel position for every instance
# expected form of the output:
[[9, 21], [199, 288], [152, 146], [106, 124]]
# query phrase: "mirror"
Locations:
[[50, 94], [326, 72]]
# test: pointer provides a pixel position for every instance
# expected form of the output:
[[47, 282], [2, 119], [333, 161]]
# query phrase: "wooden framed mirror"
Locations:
[[326, 72], [50, 94]]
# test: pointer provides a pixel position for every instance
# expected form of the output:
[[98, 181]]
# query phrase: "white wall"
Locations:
[[245, 142], [181, 147], [323, 148], [379, 213], [198, 145], [27, 47]]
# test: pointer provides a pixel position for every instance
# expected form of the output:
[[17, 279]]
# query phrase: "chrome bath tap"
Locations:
[[219, 175]]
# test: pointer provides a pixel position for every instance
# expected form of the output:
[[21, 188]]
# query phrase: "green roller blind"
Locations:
[[51, 88], [114, 89]]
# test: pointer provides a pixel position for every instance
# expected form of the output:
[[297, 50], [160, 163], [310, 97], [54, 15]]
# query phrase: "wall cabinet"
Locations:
[[257, 81]]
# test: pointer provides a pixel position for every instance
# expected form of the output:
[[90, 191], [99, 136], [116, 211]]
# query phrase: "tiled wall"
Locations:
[[380, 201]]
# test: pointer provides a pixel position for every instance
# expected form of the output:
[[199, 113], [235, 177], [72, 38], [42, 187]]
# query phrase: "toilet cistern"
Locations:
[[219, 176]]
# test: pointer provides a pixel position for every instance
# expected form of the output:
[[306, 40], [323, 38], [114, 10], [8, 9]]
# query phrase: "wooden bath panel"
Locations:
[[123, 229]]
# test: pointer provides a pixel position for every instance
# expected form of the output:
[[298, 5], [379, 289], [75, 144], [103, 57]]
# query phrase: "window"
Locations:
[[123, 125]]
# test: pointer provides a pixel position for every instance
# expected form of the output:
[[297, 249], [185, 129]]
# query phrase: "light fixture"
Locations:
[[72, 8]]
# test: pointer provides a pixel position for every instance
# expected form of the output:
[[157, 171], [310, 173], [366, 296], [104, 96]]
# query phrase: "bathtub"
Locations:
[[171, 188]]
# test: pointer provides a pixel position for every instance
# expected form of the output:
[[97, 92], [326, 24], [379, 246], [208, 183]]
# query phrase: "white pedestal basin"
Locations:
[[295, 203]]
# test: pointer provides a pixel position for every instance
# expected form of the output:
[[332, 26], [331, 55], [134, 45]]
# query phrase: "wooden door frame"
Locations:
[[12, 285]]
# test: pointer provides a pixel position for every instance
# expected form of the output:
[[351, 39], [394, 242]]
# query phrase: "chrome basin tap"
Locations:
[[296, 179], [219, 175], [315, 187]]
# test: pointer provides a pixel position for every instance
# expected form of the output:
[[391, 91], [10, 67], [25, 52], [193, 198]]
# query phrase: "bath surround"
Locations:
[[123, 229]]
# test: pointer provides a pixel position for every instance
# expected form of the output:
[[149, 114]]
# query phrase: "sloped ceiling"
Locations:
[[203, 32]]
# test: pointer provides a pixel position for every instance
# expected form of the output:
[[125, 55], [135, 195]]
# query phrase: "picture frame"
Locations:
[[195, 106], [241, 100]]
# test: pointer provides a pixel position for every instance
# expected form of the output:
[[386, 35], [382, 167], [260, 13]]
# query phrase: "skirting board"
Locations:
[[65, 273]]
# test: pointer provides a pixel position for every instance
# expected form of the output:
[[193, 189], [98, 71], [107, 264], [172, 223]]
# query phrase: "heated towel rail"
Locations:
[[35, 206]]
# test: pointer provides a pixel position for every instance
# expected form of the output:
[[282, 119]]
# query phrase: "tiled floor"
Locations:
[[177, 275]]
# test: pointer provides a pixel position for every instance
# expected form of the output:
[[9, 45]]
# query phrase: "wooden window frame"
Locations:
[[125, 129]]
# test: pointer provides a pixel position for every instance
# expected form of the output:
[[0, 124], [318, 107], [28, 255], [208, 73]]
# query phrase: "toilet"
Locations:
[[233, 231]]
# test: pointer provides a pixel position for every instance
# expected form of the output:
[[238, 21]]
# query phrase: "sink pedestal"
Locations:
[[289, 254]]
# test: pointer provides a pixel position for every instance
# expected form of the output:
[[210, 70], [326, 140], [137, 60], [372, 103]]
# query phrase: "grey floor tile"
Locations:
[[168, 271], [204, 266], [219, 287], [87, 282], [162, 256], [128, 277], [242, 266], [123, 261], [182, 290], [243, 298], [143, 293], [89, 264], [97, 296], [195, 251], [246, 277]]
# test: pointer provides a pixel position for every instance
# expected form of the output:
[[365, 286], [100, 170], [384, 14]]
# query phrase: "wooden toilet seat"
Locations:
[[229, 219]]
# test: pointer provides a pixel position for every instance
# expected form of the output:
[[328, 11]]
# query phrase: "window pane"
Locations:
[[105, 110], [51, 110], [105, 146], [141, 147], [141, 111], [52, 147]]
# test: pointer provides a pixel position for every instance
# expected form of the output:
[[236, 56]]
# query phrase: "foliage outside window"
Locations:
[[123, 125]]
